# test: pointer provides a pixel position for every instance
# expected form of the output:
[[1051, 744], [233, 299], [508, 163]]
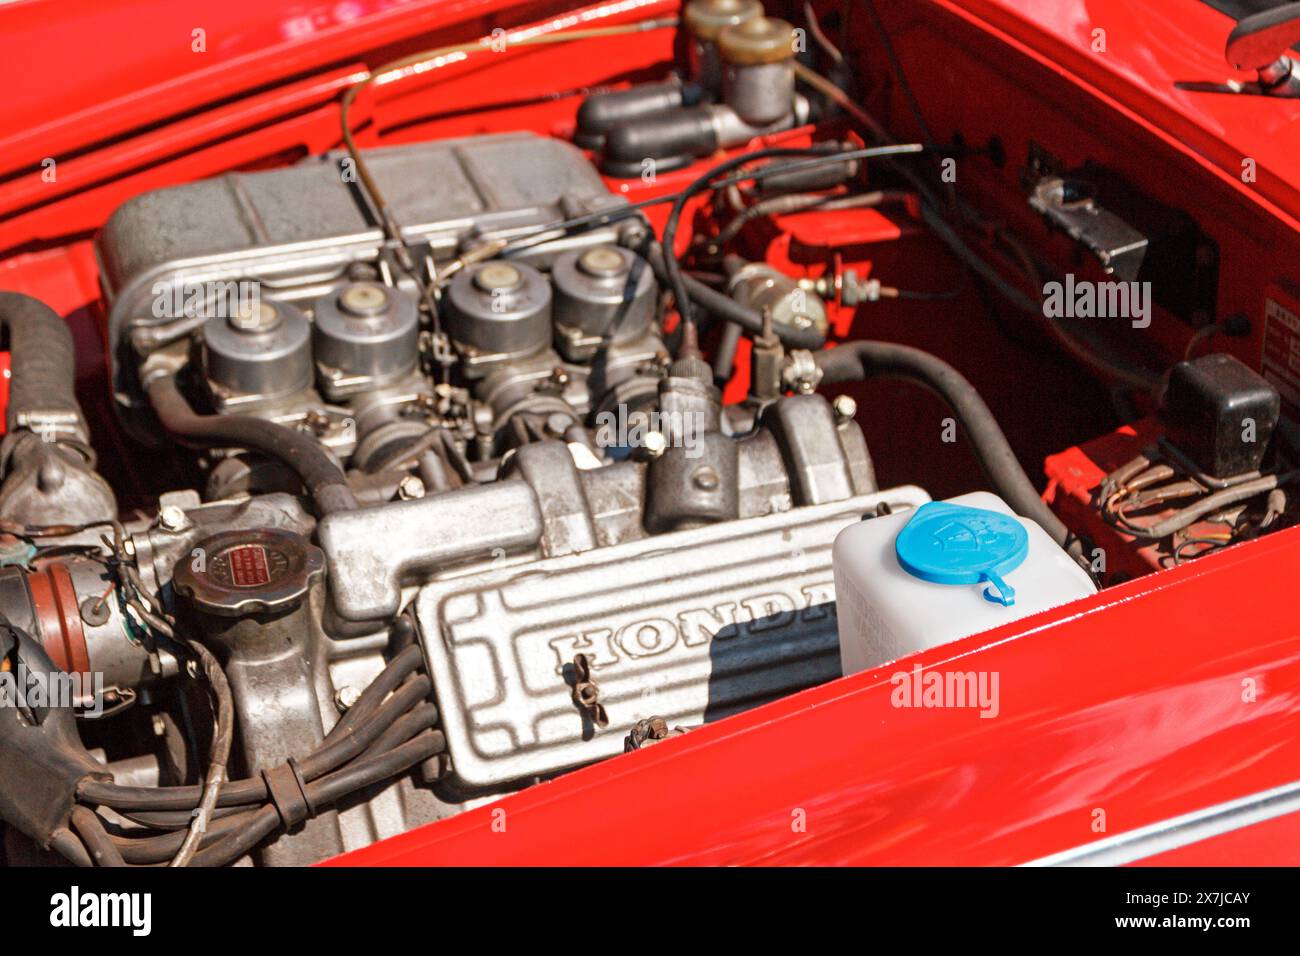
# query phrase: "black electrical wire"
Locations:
[[799, 202], [403, 664], [95, 838], [160, 847], [422, 717], [676, 279], [222, 736], [69, 845], [253, 790], [363, 773], [328, 757], [172, 819], [400, 718], [728, 309], [1207, 505], [896, 67], [818, 154]]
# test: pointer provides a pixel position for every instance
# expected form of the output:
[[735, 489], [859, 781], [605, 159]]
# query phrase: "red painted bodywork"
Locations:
[[1130, 703]]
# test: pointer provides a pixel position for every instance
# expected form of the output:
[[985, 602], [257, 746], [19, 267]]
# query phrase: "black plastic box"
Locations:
[[1210, 406]]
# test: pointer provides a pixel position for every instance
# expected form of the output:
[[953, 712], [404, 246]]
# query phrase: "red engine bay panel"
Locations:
[[1174, 689]]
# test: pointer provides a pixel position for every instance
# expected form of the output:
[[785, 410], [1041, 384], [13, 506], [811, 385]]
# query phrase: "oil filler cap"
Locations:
[[249, 572], [955, 544]]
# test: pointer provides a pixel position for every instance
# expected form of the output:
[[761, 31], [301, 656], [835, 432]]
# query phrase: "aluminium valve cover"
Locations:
[[690, 626]]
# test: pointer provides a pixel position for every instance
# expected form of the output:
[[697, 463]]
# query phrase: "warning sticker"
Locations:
[[249, 567], [1280, 363]]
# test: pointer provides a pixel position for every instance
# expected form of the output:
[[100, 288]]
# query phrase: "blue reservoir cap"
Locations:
[[955, 544]]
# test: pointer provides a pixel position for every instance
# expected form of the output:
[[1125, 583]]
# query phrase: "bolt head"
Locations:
[[410, 487], [172, 518], [654, 443], [346, 697], [845, 407], [706, 478]]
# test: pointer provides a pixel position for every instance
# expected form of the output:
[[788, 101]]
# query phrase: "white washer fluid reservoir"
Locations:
[[917, 579]]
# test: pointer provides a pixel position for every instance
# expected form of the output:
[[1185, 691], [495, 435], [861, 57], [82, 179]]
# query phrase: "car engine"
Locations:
[[505, 454]]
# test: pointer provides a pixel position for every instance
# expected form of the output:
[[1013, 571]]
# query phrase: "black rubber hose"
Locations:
[[684, 131], [321, 475], [602, 112], [44, 365], [863, 360], [729, 310]]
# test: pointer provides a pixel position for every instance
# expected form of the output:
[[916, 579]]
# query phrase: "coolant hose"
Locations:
[[320, 474], [43, 367], [864, 360]]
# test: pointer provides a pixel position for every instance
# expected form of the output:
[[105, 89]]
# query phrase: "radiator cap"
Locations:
[[249, 572]]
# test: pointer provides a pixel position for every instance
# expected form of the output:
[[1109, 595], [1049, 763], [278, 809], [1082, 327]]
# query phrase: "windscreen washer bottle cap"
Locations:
[[957, 544]]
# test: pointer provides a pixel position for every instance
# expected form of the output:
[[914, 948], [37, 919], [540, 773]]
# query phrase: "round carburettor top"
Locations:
[[366, 331], [760, 40], [606, 292], [500, 308], [264, 350], [707, 18], [236, 573]]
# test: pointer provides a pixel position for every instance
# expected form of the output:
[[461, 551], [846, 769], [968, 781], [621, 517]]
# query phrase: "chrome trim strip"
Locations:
[[1180, 831]]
